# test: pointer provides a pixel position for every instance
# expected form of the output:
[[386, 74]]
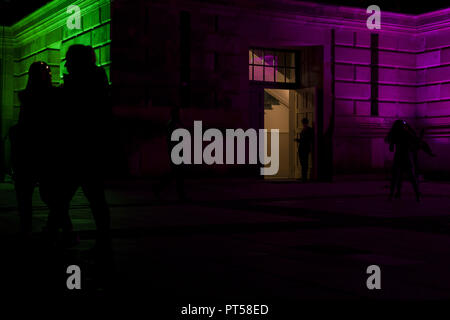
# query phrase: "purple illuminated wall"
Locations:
[[359, 133], [413, 77], [413, 82], [433, 87]]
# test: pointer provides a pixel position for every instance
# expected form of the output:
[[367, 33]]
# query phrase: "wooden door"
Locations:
[[303, 102]]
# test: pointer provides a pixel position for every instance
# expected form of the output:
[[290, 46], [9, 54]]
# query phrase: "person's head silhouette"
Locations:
[[39, 76], [79, 58], [305, 122]]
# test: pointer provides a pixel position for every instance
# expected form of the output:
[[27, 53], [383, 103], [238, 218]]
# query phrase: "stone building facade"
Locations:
[[195, 54]]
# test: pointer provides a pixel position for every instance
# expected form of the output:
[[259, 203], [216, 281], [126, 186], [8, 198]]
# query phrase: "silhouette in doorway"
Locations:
[[305, 145]]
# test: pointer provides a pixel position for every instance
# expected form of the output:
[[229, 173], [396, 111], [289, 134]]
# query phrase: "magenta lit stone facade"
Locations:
[[413, 72]]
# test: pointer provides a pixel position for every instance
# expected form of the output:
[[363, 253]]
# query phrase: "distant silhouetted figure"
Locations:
[[403, 139], [86, 90], [176, 171], [305, 144]]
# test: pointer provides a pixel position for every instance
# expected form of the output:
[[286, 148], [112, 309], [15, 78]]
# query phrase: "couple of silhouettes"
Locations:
[[59, 144]]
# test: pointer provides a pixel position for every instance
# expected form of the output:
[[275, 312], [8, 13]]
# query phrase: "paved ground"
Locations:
[[248, 240]]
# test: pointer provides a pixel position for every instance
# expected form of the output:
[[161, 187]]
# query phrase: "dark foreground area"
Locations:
[[237, 241]]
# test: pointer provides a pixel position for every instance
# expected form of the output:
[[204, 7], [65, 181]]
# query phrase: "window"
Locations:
[[374, 74], [270, 65]]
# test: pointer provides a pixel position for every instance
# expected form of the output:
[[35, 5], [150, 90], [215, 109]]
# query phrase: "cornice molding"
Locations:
[[53, 15], [337, 17], [50, 17]]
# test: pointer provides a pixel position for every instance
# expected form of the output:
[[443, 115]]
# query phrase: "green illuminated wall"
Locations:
[[7, 89], [44, 36]]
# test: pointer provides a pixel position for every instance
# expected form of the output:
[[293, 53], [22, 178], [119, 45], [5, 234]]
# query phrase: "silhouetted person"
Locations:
[[305, 144], [176, 171], [32, 142], [88, 114], [27, 139], [403, 139]]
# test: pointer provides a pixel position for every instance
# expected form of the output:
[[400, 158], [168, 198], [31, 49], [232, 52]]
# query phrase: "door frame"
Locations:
[[314, 125], [257, 91], [256, 105]]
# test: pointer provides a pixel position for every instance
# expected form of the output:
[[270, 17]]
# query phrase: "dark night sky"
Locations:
[[12, 11], [402, 6]]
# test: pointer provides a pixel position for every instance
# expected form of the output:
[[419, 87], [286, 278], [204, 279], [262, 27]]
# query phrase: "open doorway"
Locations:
[[284, 109], [276, 116], [288, 82]]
